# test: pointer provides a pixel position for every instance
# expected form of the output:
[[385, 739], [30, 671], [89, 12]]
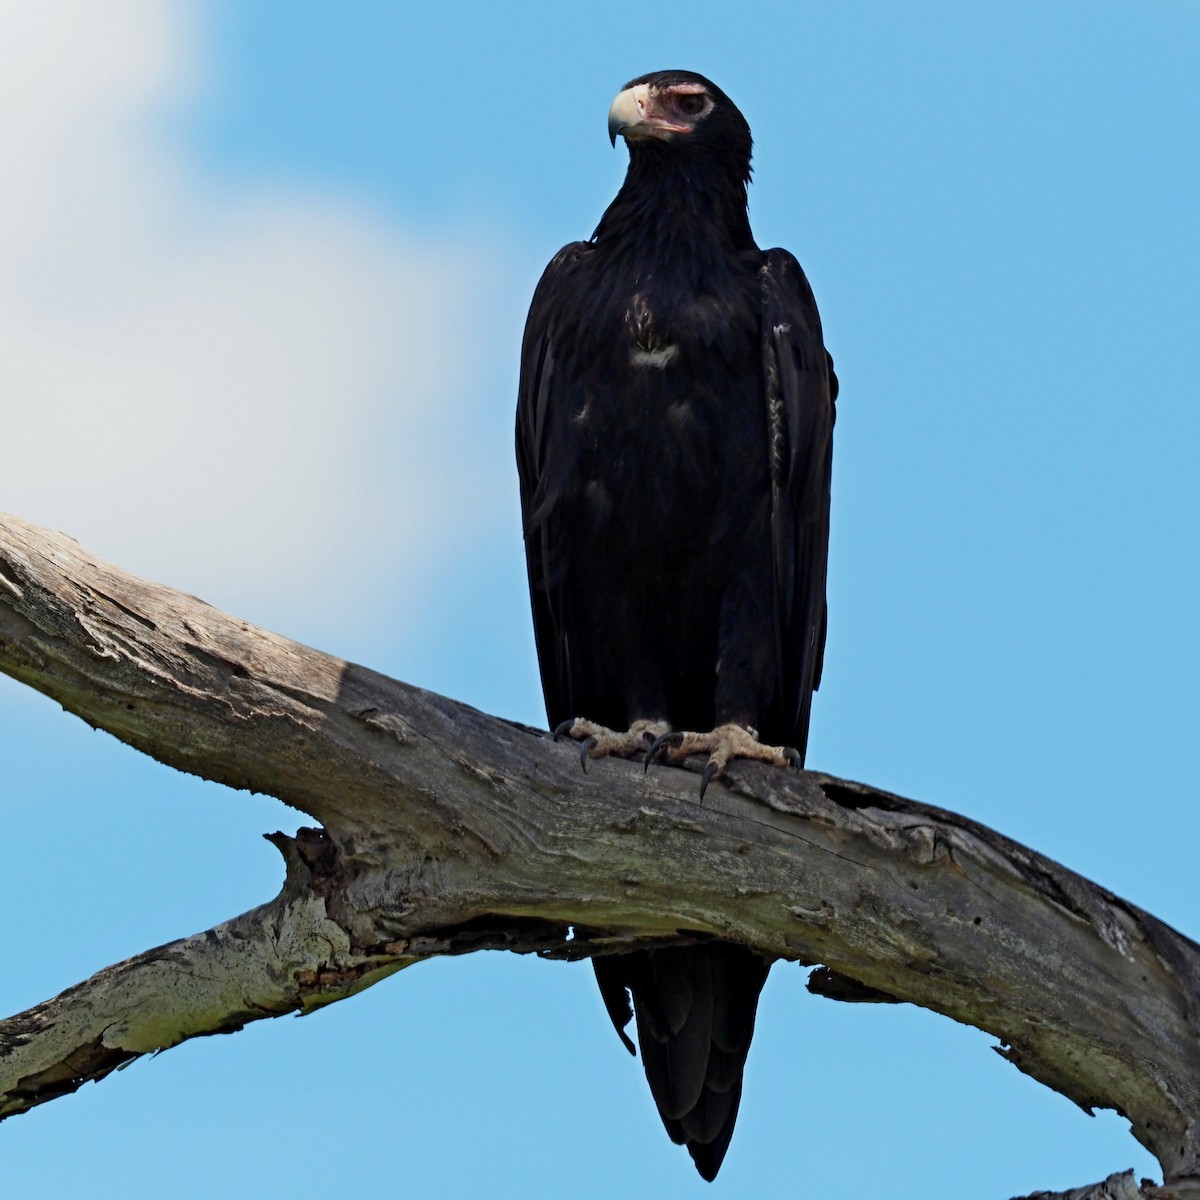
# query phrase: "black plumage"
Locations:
[[674, 432]]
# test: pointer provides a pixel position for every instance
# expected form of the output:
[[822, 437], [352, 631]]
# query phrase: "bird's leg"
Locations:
[[722, 745], [598, 741]]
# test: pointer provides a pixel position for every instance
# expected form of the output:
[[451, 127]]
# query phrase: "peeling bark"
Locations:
[[444, 830]]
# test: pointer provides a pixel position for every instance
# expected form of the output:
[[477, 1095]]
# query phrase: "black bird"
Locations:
[[674, 432]]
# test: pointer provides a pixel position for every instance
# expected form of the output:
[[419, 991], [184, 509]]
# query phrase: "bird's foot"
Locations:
[[722, 745], [598, 741]]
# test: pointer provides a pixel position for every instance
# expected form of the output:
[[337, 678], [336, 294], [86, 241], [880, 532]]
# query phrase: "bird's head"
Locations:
[[681, 110]]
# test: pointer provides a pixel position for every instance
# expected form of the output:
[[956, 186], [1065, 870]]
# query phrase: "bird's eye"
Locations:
[[692, 104]]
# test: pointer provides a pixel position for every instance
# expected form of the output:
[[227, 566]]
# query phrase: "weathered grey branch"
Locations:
[[1115, 1187], [445, 830]]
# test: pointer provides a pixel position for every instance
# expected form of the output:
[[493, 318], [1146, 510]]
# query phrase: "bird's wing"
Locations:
[[800, 389], [545, 459]]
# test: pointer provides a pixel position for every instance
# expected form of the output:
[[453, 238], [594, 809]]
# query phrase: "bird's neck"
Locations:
[[682, 207]]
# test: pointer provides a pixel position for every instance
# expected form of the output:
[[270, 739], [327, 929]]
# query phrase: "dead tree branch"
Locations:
[[444, 830]]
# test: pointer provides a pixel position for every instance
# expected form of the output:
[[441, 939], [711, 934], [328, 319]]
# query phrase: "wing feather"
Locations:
[[544, 475], [801, 389]]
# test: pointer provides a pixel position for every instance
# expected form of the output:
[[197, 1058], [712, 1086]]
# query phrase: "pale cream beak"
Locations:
[[626, 111]]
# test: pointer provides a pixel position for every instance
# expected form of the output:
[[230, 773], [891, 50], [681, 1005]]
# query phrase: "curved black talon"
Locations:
[[584, 747], [711, 771], [676, 735], [564, 728], [794, 757]]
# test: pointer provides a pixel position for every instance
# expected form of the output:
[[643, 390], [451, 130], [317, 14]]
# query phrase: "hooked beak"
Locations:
[[634, 115], [626, 111]]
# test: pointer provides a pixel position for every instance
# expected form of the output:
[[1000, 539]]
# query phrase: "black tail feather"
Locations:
[[695, 1009]]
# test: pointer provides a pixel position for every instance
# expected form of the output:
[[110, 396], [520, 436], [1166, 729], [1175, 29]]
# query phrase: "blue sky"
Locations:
[[263, 272]]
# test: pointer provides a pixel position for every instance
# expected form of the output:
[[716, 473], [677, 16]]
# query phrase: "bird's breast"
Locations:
[[663, 324], [650, 343], [675, 425]]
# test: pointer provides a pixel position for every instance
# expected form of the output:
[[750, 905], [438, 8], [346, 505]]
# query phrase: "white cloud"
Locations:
[[246, 395]]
